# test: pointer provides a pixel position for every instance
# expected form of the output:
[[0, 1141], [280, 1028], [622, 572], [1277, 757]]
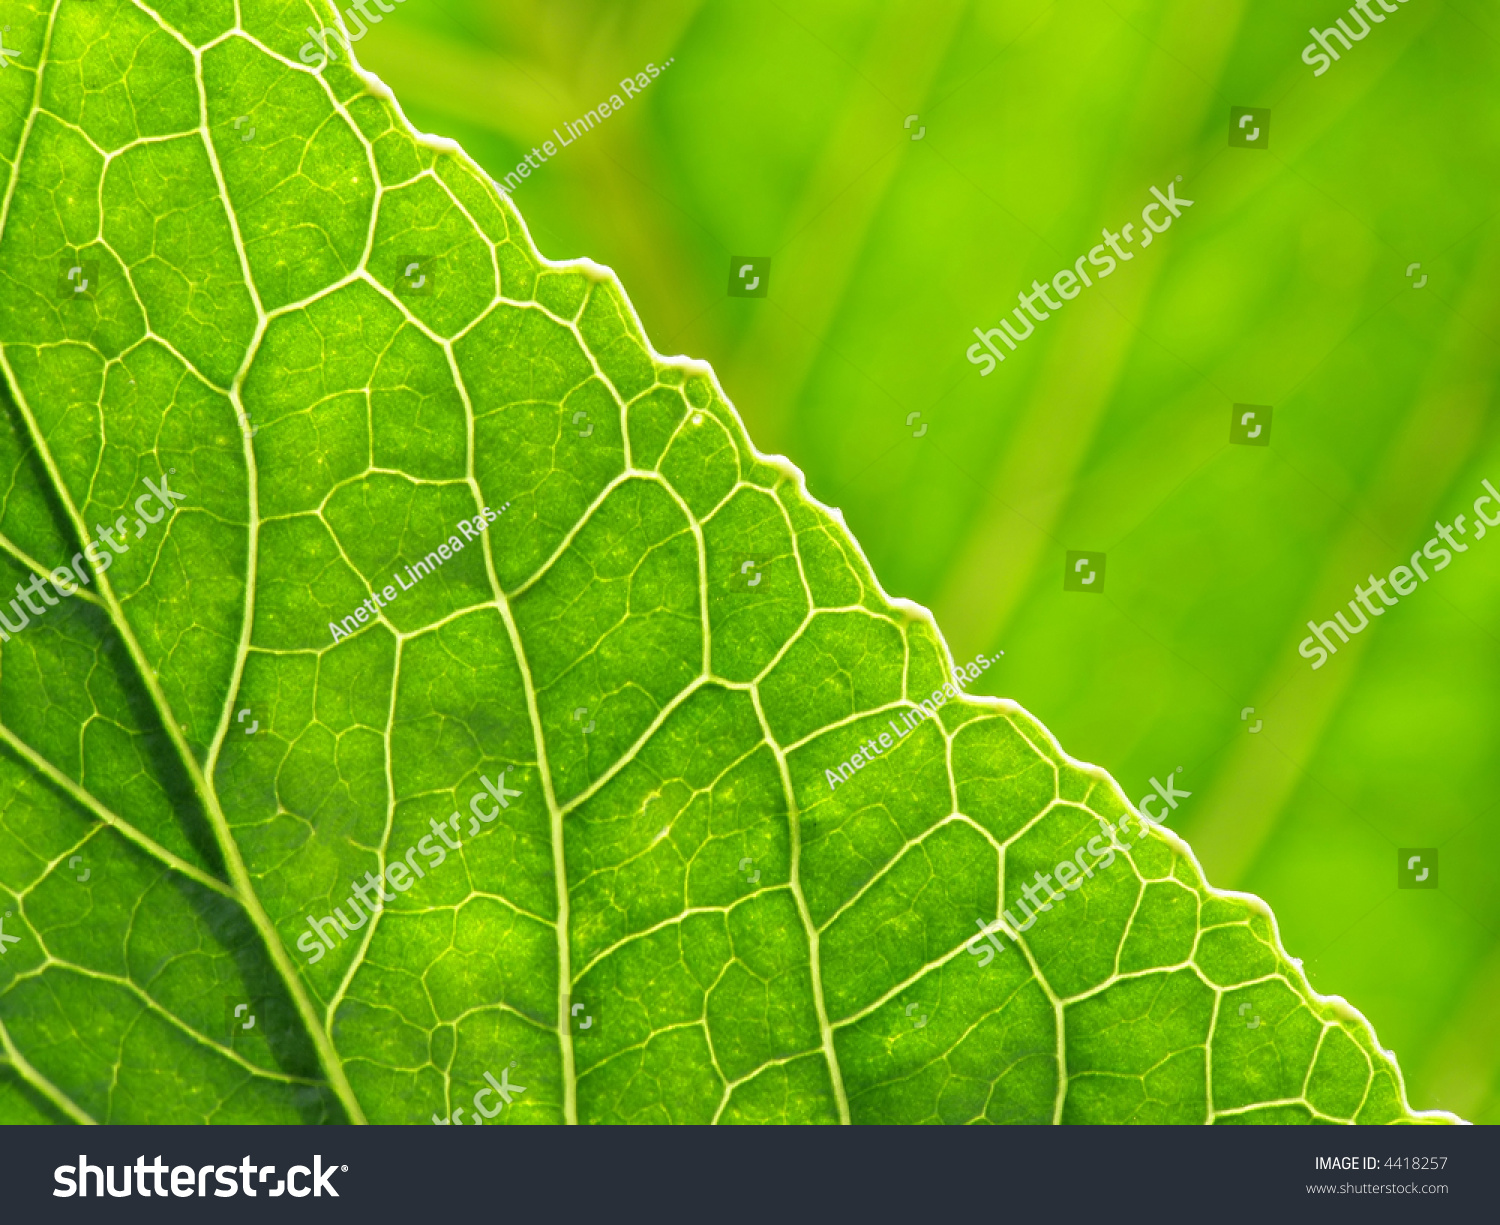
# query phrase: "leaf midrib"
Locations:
[[244, 891]]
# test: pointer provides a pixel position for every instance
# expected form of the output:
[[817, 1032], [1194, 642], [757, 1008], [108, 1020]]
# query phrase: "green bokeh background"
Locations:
[[780, 129]]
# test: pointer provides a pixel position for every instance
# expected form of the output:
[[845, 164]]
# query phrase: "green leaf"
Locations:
[[336, 343]]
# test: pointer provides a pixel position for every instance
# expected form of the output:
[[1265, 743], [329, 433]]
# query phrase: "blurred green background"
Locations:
[[782, 129]]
